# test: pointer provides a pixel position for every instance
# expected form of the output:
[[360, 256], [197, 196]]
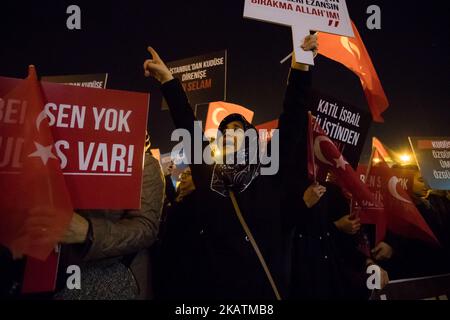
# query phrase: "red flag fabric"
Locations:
[[41, 276], [324, 156], [268, 125], [402, 215], [352, 53], [379, 147], [219, 110], [35, 209], [384, 153], [311, 161]]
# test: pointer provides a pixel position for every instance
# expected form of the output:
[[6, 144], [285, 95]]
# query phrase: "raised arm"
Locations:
[[293, 133], [179, 107], [297, 91], [181, 111], [293, 120]]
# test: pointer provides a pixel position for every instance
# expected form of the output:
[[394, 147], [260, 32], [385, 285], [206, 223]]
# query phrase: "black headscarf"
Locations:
[[237, 177]]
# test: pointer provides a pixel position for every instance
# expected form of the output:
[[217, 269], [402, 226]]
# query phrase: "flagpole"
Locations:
[[366, 175], [369, 165]]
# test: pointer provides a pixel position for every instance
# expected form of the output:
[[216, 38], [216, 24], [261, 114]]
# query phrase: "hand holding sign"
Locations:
[[309, 44]]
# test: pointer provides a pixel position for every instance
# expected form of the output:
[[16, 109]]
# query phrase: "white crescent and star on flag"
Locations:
[[215, 114], [340, 161], [43, 152], [392, 187]]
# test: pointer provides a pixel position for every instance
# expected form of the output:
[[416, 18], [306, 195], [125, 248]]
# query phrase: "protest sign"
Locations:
[[203, 77], [330, 16], [346, 125], [99, 139], [97, 80]]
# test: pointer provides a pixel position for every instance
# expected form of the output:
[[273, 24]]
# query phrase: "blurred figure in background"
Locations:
[[408, 258], [177, 235]]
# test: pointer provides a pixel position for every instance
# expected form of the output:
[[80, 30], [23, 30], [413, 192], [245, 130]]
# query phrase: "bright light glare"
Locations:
[[405, 158]]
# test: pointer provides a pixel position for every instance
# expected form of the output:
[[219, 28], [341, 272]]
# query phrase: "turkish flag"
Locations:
[[352, 53], [219, 110], [269, 126], [402, 215], [323, 156], [35, 208], [381, 150]]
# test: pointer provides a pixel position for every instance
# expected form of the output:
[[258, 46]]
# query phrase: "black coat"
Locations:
[[11, 274], [175, 273], [220, 260]]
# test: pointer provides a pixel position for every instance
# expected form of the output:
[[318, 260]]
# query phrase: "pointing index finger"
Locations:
[[154, 54]]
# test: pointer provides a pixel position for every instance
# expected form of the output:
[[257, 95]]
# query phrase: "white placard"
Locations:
[[330, 16]]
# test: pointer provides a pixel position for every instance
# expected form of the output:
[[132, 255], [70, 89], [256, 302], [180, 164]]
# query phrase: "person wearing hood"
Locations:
[[221, 261]]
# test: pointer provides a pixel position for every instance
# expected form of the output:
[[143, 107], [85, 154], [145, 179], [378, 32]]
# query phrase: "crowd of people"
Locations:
[[186, 242]]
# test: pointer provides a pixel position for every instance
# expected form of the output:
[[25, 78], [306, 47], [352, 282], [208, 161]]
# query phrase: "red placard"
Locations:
[[99, 138]]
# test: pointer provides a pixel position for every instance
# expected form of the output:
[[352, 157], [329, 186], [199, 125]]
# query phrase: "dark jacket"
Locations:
[[220, 260], [326, 263], [178, 234], [11, 274]]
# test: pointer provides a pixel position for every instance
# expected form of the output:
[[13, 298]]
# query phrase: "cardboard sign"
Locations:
[[330, 16], [98, 80], [346, 125], [203, 77], [99, 139], [433, 158]]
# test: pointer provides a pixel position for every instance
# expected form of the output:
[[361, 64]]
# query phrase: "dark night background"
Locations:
[[411, 54]]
